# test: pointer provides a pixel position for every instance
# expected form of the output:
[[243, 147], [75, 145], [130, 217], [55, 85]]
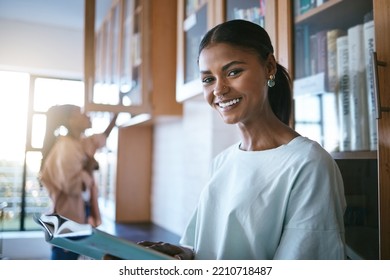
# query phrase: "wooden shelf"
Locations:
[[325, 16], [317, 10], [355, 155]]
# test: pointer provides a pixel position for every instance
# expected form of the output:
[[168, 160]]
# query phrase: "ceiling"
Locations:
[[62, 13]]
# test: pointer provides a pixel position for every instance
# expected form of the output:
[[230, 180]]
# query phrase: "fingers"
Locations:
[[148, 243], [163, 247]]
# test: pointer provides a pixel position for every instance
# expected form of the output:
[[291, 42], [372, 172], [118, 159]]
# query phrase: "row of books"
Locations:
[[254, 14], [303, 6], [343, 58], [193, 5]]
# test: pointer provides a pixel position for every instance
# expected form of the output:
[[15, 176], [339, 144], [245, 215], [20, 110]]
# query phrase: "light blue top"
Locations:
[[283, 203]]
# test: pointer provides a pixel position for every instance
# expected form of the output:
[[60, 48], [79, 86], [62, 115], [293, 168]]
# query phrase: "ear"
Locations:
[[270, 65]]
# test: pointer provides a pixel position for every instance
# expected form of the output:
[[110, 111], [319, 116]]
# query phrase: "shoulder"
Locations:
[[227, 153], [314, 164], [308, 150]]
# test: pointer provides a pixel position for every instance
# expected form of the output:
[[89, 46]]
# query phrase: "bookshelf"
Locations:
[[342, 87], [120, 60], [130, 67], [194, 19], [124, 73], [364, 168]]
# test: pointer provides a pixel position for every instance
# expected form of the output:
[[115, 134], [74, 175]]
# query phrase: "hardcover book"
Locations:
[[91, 242], [369, 46], [302, 52], [332, 36], [358, 89], [343, 93]]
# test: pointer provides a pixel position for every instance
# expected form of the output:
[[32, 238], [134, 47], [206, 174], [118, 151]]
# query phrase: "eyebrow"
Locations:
[[225, 67]]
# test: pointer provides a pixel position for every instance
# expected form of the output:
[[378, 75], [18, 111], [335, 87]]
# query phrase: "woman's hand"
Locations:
[[178, 252]]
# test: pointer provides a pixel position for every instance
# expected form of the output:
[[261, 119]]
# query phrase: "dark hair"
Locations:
[[251, 36], [56, 117]]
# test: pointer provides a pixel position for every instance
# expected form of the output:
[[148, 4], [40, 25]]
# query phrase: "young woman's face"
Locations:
[[80, 121], [235, 82]]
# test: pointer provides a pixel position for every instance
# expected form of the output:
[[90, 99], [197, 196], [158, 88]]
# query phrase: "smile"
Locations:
[[229, 103]]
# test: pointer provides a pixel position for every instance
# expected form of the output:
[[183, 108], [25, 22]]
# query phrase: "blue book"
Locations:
[[91, 242]]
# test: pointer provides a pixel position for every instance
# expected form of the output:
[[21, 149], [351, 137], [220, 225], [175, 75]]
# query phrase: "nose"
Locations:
[[220, 89]]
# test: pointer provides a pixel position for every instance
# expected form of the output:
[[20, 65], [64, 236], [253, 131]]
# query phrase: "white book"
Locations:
[[344, 112], [332, 36], [310, 85], [91, 242], [58, 226], [369, 46], [358, 90]]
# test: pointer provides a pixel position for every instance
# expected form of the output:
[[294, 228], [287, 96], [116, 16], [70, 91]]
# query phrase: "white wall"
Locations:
[[41, 49], [183, 150]]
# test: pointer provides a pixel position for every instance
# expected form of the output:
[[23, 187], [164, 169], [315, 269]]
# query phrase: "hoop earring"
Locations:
[[271, 81]]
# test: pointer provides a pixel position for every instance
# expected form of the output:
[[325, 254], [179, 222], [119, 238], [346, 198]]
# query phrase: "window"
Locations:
[[23, 122]]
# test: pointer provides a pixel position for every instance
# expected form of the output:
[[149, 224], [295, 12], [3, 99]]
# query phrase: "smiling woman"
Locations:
[[275, 194]]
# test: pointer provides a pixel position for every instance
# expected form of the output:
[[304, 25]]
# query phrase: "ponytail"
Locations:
[[280, 95], [56, 117]]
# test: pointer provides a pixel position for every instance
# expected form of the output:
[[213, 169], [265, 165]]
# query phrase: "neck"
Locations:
[[265, 137]]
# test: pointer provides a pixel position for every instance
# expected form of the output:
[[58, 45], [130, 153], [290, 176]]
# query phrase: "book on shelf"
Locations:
[[302, 51], [310, 85], [253, 11], [317, 53], [322, 54], [92, 242], [313, 54], [193, 5], [358, 89], [369, 46], [331, 37], [343, 93], [303, 6], [320, 2]]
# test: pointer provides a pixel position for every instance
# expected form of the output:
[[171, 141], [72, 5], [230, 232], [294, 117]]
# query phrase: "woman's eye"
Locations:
[[234, 72], [207, 80]]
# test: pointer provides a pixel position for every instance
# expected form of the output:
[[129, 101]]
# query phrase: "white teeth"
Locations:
[[229, 103]]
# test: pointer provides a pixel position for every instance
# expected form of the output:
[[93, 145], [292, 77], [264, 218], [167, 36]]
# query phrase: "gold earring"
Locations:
[[271, 81]]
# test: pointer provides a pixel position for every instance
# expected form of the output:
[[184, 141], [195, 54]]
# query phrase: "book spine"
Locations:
[[343, 93], [369, 46], [332, 36], [306, 48], [299, 53], [304, 6], [313, 68], [322, 55], [302, 52], [358, 91]]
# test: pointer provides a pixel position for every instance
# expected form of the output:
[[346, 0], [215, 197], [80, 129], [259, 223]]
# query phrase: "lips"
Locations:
[[228, 103]]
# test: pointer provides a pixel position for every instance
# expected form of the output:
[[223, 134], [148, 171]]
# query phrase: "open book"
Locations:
[[91, 242], [57, 226]]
